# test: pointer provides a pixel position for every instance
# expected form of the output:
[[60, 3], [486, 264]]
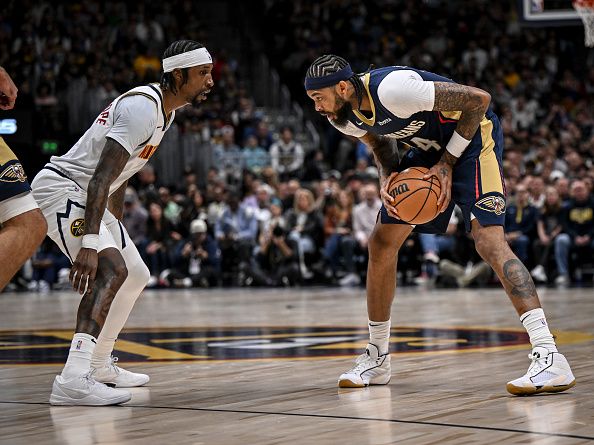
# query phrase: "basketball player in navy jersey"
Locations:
[[22, 226], [81, 195], [451, 130]]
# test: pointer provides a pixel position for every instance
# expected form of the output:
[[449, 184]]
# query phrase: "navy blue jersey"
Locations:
[[426, 132]]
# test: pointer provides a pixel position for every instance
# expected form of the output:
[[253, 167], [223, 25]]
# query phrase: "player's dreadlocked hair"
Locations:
[[329, 64], [178, 47]]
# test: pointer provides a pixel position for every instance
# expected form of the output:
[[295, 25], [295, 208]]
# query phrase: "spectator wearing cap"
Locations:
[[286, 155], [578, 231], [197, 260]]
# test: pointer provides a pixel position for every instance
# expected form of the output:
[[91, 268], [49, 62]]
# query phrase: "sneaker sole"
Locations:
[[347, 383], [522, 391], [58, 400]]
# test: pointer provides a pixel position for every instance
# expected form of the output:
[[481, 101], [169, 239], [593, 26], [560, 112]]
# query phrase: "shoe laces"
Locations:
[[113, 364], [364, 361], [538, 363], [88, 377]]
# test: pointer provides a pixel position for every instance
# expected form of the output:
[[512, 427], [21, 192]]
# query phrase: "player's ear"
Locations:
[[341, 88]]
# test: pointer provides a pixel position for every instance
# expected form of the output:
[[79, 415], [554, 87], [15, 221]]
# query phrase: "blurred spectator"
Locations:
[[276, 262], [520, 223], [134, 218], [48, 263], [578, 231], [548, 227], [236, 233], [306, 228], [171, 210], [161, 238], [227, 155], [339, 248], [286, 155], [197, 260], [194, 209], [255, 158]]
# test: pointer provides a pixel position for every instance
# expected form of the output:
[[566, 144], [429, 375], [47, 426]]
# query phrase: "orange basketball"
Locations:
[[416, 198]]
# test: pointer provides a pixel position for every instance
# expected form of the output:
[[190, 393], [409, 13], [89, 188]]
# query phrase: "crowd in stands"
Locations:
[[271, 213]]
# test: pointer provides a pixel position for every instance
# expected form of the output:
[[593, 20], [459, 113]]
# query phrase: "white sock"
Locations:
[[79, 356], [536, 325], [379, 335], [103, 350]]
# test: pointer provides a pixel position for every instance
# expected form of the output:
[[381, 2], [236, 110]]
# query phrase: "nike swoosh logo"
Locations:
[[160, 126], [359, 123]]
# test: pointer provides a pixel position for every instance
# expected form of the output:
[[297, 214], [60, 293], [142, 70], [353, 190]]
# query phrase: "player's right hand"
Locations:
[[8, 91], [84, 269], [387, 199]]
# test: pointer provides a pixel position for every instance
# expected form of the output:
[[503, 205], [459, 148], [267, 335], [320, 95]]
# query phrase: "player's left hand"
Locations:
[[443, 171]]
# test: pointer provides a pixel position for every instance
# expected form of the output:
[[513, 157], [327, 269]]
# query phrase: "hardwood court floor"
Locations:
[[237, 366]]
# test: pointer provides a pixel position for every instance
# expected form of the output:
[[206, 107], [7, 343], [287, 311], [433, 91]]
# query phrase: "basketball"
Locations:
[[416, 198]]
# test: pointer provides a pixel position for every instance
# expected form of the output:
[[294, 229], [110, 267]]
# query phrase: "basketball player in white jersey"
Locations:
[[81, 196], [22, 226]]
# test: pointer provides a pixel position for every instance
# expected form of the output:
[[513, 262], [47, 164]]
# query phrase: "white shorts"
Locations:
[[63, 205], [17, 205]]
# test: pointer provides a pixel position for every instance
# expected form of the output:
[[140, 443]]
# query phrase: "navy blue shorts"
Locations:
[[13, 180], [478, 187]]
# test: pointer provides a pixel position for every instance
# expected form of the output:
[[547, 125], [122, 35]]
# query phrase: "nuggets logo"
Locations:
[[13, 173], [493, 204], [77, 228]]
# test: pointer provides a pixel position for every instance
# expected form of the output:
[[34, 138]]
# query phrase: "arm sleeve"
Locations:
[[349, 129], [405, 93], [134, 121]]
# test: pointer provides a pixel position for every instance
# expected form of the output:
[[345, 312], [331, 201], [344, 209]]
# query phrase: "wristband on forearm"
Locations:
[[457, 145], [90, 241]]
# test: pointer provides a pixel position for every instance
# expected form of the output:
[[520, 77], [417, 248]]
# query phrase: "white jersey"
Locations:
[[136, 120]]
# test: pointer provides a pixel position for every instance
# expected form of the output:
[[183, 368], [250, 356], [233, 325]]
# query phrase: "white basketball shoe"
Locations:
[[370, 369], [548, 372], [112, 375], [85, 390]]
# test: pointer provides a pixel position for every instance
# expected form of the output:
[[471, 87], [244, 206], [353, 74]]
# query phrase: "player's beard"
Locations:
[[344, 111], [197, 100]]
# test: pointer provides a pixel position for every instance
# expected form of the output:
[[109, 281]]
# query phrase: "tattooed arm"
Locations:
[[110, 166], [385, 154], [116, 201], [473, 103]]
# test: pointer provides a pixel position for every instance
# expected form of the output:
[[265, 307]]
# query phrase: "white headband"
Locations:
[[196, 57]]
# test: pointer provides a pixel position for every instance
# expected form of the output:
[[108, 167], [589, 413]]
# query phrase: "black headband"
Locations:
[[316, 83]]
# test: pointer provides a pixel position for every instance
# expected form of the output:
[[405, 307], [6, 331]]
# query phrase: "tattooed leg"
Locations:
[[491, 245], [94, 306]]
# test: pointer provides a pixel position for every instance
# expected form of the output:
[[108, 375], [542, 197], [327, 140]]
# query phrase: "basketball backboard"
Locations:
[[548, 12]]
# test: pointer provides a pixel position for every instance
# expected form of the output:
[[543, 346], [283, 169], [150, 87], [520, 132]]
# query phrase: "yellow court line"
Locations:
[[151, 352]]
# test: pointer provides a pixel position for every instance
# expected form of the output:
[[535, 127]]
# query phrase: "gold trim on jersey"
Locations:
[[6, 154], [365, 120], [490, 175], [455, 115]]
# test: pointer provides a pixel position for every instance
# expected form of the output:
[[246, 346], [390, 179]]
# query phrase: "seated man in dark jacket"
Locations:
[[520, 223], [197, 259], [577, 221]]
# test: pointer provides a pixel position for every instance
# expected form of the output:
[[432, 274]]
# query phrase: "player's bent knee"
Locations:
[[139, 273]]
